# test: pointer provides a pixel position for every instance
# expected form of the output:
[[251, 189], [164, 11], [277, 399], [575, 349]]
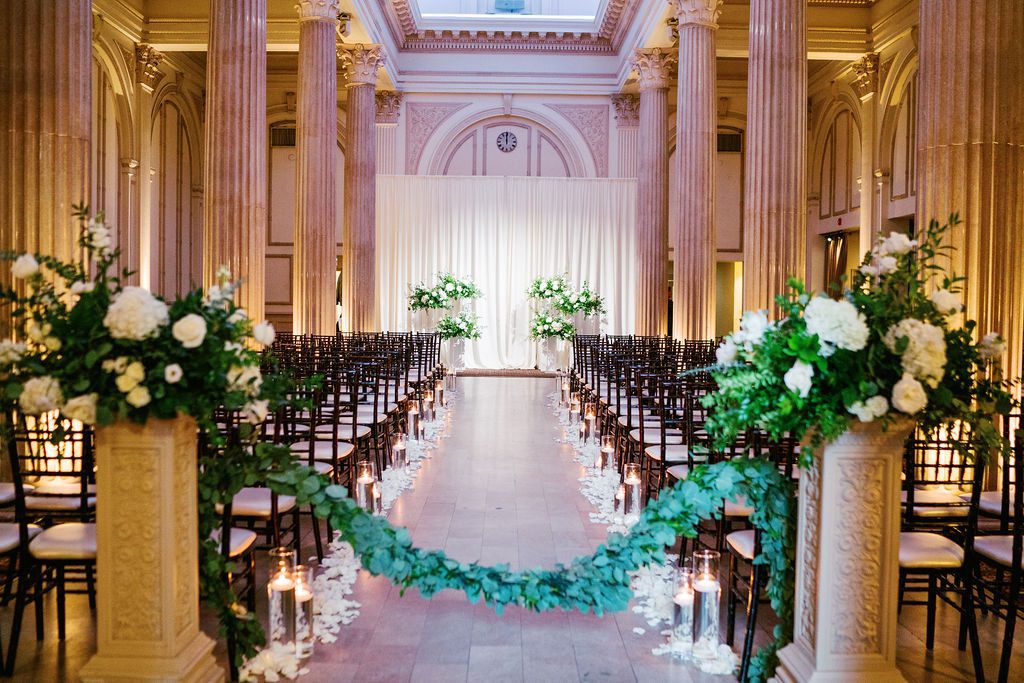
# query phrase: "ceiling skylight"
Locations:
[[582, 10]]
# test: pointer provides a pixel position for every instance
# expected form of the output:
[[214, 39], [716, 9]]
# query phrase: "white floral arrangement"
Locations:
[[585, 301], [458, 289], [546, 288], [463, 326], [551, 324], [99, 351], [448, 290], [892, 347]]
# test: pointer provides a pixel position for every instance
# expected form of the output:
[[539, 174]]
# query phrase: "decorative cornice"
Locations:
[[314, 10], [627, 110], [654, 65], [361, 63], [147, 66], [865, 75], [389, 106], [697, 12]]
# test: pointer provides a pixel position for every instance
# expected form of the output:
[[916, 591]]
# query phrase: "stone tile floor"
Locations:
[[499, 489]]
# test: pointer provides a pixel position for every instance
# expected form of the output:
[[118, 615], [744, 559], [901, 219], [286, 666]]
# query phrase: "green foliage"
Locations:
[[448, 290], [466, 325]]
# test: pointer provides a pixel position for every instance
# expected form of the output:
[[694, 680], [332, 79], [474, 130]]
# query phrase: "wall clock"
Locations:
[[507, 141]]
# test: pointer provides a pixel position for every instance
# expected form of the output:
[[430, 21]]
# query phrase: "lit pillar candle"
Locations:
[[378, 499], [428, 405], [634, 497], [281, 596], [565, 393], [439, 392], [591, 422], [707, 598], [606, 456], [304, 635], [682, 622], [364, 486], [413, 422], [399, 455]]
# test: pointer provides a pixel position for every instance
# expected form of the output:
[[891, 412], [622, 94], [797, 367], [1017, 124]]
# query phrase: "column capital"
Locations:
[[654, 65], [697, 12], [147, 66], [129, 166], [627, 110], [389, 106], [866, 72], [318, 10], [361, 63]]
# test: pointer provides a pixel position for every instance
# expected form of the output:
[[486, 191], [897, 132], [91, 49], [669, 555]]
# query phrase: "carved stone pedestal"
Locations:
[[147, 564], [847, 561]]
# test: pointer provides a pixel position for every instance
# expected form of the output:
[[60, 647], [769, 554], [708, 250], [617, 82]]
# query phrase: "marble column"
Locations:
[[359, 253], [971, 153], [235, 176], [143, 244], [389, 108], [654, 65], [627, 122], [45, 124], [775, 189], [315, 263], [693, 301]]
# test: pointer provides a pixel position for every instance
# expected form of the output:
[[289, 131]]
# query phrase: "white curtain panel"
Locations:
[[502, 232]]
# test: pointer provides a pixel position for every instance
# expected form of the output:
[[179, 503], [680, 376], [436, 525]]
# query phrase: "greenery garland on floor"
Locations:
[[599, 583]]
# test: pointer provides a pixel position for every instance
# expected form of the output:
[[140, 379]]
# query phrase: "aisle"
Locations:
[[498, 489]]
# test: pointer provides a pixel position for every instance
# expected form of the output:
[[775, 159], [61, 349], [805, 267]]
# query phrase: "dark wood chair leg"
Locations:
[[61, 623], [933, 589], [730, 628], [39, 601], [1011, 623], [90, 583], [21, 596], [748, 640]]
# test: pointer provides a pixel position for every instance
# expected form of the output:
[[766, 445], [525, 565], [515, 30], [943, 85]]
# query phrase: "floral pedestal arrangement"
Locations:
[[847, 580], [147, 562], [547, 354], [588, 324]]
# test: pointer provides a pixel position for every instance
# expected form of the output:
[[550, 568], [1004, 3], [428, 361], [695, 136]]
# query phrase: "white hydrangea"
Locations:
[[908, 395], [992, 346], [99, 236], [264, 333], [11, 352], [135, 314], [925, 355], [82, 408], [82, 286], [24, 266], [868, 411], [245, 378], [256, 411], [726, 352], [40, 395], [799, 378], [896, 244], [38, 332], [946, 301], [838, 323], [753, 325], [190, 330]]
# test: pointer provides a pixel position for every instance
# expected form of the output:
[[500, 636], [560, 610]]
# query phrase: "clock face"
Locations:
[[507, 141]]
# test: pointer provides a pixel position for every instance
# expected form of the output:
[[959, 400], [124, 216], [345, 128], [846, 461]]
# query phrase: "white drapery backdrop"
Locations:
[[502, 232]]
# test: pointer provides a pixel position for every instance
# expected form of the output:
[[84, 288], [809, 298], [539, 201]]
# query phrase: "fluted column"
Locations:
[[389, 109], [359, 252], [235, 177], [775, 192], [693, 300], [971, 153], [313, 274], [654, 66], [627, 122], [45, 124]]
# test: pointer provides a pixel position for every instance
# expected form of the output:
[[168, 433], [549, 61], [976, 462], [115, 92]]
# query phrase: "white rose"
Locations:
[[136, 370], [908, 395], [862, 412], [120, 364], [173, 373], [125, 383], [449, 287], [11, 352], [727, 352], [214, 294], [896, 244], [837, 322], [556, 326], [946, 301], [135, 314], [256, 411], [245, 378], [24, 266], [798, 378], [424, 299], [53, 344], [238, 316], [925, 354], [190, 330], [138, 397], [574, 298], [753, 325], [99, 236], [40, 395], [992, 346], [82, 408], [82, 286], [264, 333], [867, 411]]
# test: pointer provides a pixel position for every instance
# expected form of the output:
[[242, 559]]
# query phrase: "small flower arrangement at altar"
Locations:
[[892, 347], [586, 301], [463, 326], [551, 325], [458, 289], [98, 350], [423, 298], [545, 288]]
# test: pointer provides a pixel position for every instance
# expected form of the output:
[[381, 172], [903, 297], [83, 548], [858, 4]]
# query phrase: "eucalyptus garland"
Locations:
[[597, 583]]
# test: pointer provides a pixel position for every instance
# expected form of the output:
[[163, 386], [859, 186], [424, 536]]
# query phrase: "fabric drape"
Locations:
[[502, 232]]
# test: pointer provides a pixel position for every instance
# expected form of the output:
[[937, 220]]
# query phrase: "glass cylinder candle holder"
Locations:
[[574, 410], [378, 499], [399, 452], [364, 485], [591, 422], [439, 393], [606, 456], [682, 613], [634, 495], [304, 638], [620, 499], [583, 432], [707, 591], [427, 410], [449, 380], [413, 423], [281, 597]]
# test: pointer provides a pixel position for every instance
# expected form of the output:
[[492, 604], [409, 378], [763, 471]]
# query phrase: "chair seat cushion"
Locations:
[[56, 503], [322, 450], [254, 501], [936, 503], [653, 435], [990, 502], [10, 536], [71, 541], [7, 492], [648, 419], [678, 472], [241, 540], [674, 452], [923, 550], [65, 487], [344, 430], [999, 549], [742, 543]]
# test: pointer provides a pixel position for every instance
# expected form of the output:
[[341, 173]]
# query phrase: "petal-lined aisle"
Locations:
[[498, 489]]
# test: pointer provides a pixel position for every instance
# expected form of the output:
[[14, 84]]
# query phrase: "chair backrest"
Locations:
[[938, 469]]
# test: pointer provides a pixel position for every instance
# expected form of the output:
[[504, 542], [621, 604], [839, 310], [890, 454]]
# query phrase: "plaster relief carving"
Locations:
[[697, 12], [654, 66], [389, 106], [627, 110], [423, 118], [591, 120], [147, 66], [866, 73], [361, 63], [317, 9], [810, 491]]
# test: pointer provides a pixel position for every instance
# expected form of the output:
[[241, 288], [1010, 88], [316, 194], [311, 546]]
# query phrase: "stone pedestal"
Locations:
[[235, 172], [147, 566], [847, 579], [693, 301]]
